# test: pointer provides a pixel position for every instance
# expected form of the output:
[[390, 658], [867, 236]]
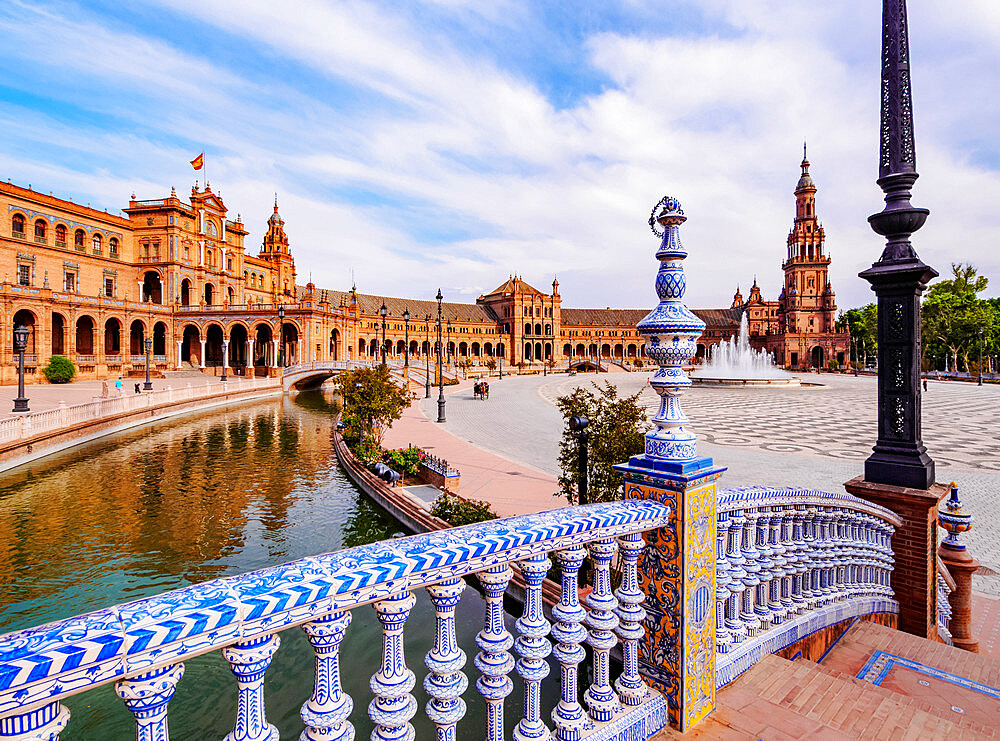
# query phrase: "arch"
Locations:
[[113, 246], [78, 237], [185, 292], [538, 329], [238, 335], [488, 349], [288, 347], [136, 336], [112, 337], [463, 349], [619, 351], [263, 344], [605, 350], [26, 318], [60, 235], [58, 335], [209, 294], [702, 351], [567, 350], [527, 328], [631, 350], [425, 348], [41, 225], [152, 287], [214, 335], [592, 350], [159, 339], [580, 350], [231, 295], [191, 345], [400, 347], [474, 350], [548, 351], [373, 348], [817, 357], [451, 350], [362, 348], [334, 344], [548, 329], [501, 350], [527, 351], [538, 351], [17, 222], [96, 242], [414, 348]]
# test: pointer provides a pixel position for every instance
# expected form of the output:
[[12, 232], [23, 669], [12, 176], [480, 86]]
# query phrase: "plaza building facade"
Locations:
[[93, 286]]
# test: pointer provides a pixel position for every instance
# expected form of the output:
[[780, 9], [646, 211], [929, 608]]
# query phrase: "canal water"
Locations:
[[192, 499]]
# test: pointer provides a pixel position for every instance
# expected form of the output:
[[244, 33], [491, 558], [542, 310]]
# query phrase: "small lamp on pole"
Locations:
[[20, 343], [980, 382], [383, 312], [406, 329], [148, 344], [281, 333], [440, 370]]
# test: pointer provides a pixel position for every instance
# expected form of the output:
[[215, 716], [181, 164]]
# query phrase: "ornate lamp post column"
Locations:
[[440, 370], [899, 474], [448, 345], [677, 654], [980, 382], [279, 360], [147, 345], [406, 335], [20, 343], [383, 312], [427, 356]]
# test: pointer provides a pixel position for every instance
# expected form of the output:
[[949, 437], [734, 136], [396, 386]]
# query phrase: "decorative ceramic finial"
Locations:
[[670, 331], [955, 520]]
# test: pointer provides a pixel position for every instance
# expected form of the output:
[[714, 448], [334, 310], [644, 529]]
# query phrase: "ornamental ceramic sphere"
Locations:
[[670, 331]]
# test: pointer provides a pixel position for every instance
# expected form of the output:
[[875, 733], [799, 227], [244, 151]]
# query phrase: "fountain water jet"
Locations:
[[734, 363]]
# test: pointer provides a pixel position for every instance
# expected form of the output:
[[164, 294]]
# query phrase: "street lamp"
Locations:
[[579, 426], [383, 312], [20, 343], [427, 356], [980, 356], [148, 344], [448, 346], [440, 370], [281, 333], [406, 329]]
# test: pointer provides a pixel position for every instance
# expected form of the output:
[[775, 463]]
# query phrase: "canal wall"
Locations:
[[27, 437]]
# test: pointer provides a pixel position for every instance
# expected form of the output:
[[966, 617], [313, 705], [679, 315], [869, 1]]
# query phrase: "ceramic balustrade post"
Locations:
[[494, 660], [829, 556], [533, 646], [734, 622], [810, 580], [785, 533], [752, 580], [774, 606], [446, 683], [568, 716], [602, 702], [632, 689], [248, 660], [146, 696], [325, 714], [723, 637], [41, 724], [393, 706], [761, 608]]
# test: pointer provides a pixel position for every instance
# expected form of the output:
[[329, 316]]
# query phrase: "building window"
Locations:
[[69, 281], [109, 287], [40, 231], [229, 264], [145, 250], [113, 246], [24, 275], [211, 229], [17, 226], [60, 235], [78, 239]]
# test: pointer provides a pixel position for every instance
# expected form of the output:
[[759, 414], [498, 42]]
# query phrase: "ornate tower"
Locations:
[[275, 250], [737, 299], [808, 306]]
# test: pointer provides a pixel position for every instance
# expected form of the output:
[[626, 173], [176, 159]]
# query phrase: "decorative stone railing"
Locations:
[[141, 646], [945, 586], [791, 562]]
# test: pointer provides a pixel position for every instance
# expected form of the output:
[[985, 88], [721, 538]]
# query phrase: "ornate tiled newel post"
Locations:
[[955, 521], [677, 569]]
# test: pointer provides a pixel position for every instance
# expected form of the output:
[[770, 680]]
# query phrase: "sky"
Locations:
[[420, 144]]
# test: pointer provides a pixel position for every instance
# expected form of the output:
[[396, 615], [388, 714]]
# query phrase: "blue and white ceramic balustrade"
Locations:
[[141, 646]]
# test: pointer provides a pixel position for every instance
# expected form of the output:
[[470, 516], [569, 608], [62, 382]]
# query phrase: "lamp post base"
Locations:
[[911, 468], [21, 404], [441, 416], [147, 386]]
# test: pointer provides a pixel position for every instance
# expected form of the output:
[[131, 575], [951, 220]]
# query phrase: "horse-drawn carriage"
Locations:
[[481, 390]]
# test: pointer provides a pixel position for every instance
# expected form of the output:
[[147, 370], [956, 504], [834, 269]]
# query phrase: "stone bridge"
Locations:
[[310, 375]]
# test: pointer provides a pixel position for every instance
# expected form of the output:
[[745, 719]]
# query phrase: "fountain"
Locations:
[[734, 363]]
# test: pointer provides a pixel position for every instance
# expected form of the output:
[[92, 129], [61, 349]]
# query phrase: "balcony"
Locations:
[[61, 243], [40, 240]]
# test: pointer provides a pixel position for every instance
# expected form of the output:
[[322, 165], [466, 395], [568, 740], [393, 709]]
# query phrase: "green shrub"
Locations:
[[457, 511], [833, 364], [368, 451], [59, 369], [404, 460]]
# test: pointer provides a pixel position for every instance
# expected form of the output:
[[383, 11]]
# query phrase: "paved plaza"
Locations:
[[814, 436]]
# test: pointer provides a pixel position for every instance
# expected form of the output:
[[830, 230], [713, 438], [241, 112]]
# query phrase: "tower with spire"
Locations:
[[275, 250]]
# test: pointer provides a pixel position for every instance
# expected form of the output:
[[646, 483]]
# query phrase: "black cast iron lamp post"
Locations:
[[579, 426], [980, 383], [440, 370], [898, 277], [383, 312], [281, 334], [20, 343], [406, 329], [148, 345], [427, 356]]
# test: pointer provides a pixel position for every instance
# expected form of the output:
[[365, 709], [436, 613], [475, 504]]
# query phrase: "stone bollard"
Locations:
[[961, 566]]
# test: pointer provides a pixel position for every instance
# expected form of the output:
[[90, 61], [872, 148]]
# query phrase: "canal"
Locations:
[[192, 499]]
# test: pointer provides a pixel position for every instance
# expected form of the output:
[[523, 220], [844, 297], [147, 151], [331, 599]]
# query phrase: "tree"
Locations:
[[371, 396], [862, 323], [617, 426], [952, 316], [490, 364]]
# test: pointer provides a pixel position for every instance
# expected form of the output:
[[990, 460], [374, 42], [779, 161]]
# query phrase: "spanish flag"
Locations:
[[198, 162]]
